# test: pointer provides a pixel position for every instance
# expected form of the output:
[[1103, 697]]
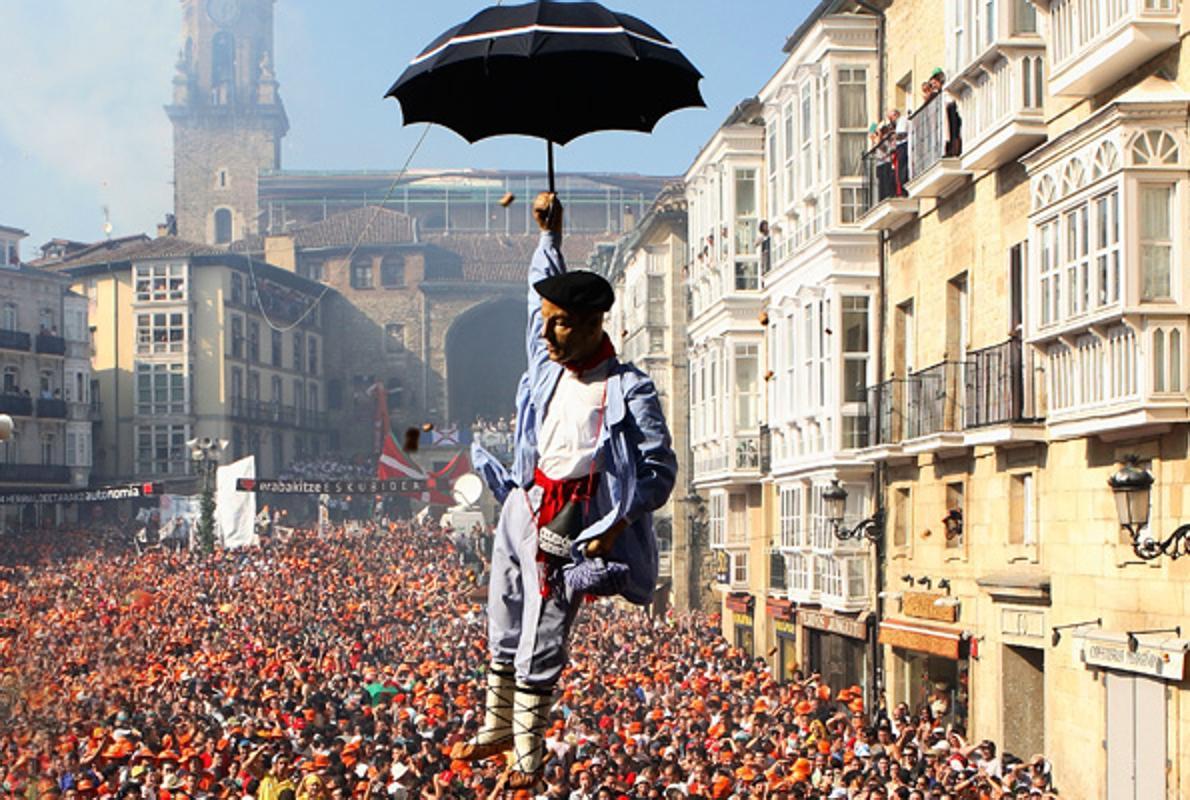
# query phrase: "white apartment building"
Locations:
[[820, 293], [724, 193]]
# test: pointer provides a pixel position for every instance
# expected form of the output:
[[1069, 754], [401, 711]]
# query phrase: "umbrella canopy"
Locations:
[[548, 69]]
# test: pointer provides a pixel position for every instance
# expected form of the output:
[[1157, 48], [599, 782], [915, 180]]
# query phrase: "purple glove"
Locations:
[[598, 577]]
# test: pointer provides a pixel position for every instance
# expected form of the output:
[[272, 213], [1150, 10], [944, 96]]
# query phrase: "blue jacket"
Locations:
[[635, 452]]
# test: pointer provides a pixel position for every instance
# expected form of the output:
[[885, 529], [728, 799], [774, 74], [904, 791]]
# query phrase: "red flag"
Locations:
[[380, 418], [440, 483], [395, 464]]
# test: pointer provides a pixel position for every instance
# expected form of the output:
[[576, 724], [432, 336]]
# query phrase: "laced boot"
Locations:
[[530, 717], [495, 737]]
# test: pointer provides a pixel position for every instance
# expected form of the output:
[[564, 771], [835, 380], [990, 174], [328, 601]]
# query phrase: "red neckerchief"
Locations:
[[602, 353]]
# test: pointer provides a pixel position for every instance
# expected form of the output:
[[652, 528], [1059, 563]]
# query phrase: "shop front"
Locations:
[[929, 667], [836, 647], [740, 606], [785, 632], [1137, 671]]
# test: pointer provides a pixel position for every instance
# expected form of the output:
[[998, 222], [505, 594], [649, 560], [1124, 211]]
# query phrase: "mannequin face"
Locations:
[[569, 336]]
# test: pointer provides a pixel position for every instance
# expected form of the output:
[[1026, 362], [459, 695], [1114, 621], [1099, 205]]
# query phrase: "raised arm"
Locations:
[[547, 261]]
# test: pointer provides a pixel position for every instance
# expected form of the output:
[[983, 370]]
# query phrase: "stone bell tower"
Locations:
[[227, 116]]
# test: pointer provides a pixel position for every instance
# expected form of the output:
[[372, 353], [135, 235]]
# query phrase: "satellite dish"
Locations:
[[467, 489]]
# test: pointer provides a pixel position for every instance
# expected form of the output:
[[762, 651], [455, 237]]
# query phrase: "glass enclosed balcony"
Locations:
[[1094, 43]]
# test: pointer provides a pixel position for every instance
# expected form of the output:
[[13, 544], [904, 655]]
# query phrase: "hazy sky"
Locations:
[[84, 82]]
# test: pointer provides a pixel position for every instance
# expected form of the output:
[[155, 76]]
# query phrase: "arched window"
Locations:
[[223, 58], [222, 226], [1158, 360], [1175, 360], [1107, 161], [392, 271], [1154, 147], [1045, 192], [1073, 176]]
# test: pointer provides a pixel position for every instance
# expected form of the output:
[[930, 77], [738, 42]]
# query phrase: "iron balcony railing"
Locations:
[[277, 414], [886, 171], [999, 386], [930, 136], [17, 405], [51, 408], [932, 400], [14, 340], [885, 412], [925, 403], [49, 344], [34, 473]]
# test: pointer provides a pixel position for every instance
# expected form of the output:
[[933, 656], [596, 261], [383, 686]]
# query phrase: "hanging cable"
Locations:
[[350, 255]]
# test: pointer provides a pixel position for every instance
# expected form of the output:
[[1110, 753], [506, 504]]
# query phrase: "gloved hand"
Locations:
[[596, 576]]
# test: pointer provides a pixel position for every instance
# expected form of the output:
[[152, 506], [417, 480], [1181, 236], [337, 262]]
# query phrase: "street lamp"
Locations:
[[205, 452], [1132, 487], [834, 497], [5, 427]]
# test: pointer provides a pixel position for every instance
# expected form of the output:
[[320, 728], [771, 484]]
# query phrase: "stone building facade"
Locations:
[[193, 341], [1034, 312], [648, 325], [45, 382]]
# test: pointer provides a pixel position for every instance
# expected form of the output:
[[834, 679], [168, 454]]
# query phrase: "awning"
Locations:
[[930, 639], [779, 609], [739, 602]]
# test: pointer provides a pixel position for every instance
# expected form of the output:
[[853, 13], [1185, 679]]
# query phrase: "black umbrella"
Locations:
[[548, 69]]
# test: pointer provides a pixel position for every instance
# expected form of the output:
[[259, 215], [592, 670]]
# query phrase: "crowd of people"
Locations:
[[496, 435], [347, 665]]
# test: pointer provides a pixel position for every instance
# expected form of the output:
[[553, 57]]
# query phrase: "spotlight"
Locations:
[[926, 581], [907, 579]]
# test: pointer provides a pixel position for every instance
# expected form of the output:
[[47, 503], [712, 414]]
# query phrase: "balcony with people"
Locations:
[[50, 343], [1095, 43], [16, 403], [911, 158], [51, 406]]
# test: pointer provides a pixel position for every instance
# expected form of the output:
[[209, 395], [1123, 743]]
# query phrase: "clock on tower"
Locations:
[[223, 12]]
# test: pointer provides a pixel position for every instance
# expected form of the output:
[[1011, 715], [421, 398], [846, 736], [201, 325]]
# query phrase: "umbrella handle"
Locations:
[[549, 148]]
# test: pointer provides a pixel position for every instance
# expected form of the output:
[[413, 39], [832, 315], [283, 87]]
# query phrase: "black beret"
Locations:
[[580, 291]]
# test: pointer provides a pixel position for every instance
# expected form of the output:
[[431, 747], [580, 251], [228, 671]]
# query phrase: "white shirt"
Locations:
[[570, 430]]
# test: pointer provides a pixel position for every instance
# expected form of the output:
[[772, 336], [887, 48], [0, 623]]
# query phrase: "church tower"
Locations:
[[227, 116]]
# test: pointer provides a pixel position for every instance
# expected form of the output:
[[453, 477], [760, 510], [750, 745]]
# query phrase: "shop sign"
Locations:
[[854, 628], [779, 609], [741, 620], [921, 605], [784, 629], [722, 567], [910, 636], [1160, 662], [740, 602]]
